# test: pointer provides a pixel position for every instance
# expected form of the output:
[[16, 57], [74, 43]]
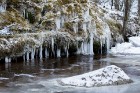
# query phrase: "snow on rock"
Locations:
[[135, 41], [130, 48], [110, 75]]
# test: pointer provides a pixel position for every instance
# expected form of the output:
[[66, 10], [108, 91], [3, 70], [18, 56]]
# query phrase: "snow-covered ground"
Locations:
[[130, 48], [110, 75]]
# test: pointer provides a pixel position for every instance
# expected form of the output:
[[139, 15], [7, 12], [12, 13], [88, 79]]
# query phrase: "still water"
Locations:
[[40, 76]]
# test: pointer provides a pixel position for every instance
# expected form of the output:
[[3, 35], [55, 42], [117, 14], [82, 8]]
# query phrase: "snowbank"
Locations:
[[130, 48], [135, 41], [110, 75]]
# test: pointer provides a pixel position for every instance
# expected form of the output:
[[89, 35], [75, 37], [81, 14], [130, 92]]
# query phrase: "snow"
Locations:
[[135, 41], [130, 48], [2, 8], [5, 31], [26, 75], [2, 78], [110, 75]]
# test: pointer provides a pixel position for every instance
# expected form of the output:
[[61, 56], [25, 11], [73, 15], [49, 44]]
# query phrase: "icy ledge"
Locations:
[[110, 75]]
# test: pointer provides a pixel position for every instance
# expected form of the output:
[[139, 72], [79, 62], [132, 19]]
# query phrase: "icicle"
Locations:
[[62, 21], [91, 44], [57, 22], [85, 48], [32, 53], [24, 13], [27, 56], [101, 43], [24, 58], [40, 52], [88, 48], [85, 27], [86, 14], [58, 52], [82, 48], [75, 27], [46, 53], [9, 59], [52, 44], [6, 59], [108, 37], [66, 51]]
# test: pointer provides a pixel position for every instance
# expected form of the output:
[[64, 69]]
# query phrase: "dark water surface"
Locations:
[[40, 76]]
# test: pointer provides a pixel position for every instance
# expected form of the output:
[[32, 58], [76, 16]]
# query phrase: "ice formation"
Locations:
[[2, 8], [110, 75], [65, 24]]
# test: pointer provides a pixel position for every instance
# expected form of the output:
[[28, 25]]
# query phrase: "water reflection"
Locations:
[[72, 65], [39, 75]]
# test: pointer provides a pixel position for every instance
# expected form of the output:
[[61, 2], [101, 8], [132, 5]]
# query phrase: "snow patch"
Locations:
[[110, 75], [26, 75], [130, 48]]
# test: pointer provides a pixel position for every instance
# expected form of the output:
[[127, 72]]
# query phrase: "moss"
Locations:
[[12, 16], [48, 24], [63, 2], [48, 7], [37, 1], [114, 26], [69, 9], [31, 17], [68, 25]]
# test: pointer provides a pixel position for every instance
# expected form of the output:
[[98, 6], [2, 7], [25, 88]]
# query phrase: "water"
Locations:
[[40, 76]]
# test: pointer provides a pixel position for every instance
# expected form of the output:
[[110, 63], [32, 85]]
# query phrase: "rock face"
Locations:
[[110, 75], [90, 27]]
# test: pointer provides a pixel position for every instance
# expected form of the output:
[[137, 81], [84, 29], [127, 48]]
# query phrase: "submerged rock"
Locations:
[[110, 75]]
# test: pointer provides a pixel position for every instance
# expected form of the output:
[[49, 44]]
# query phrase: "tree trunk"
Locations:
[[139, 11], [117, 4], [112, 3], [126, 17]]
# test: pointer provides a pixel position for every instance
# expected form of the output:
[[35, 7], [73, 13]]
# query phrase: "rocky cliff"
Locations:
[[55, 27]]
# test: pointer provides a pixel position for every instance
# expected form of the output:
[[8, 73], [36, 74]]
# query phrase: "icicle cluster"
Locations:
[[67, 23]]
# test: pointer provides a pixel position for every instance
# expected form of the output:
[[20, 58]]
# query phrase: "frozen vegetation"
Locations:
[[110, 75], [30, 27]]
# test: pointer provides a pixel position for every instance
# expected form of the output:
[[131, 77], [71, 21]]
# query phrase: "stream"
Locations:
[[40, 76]]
